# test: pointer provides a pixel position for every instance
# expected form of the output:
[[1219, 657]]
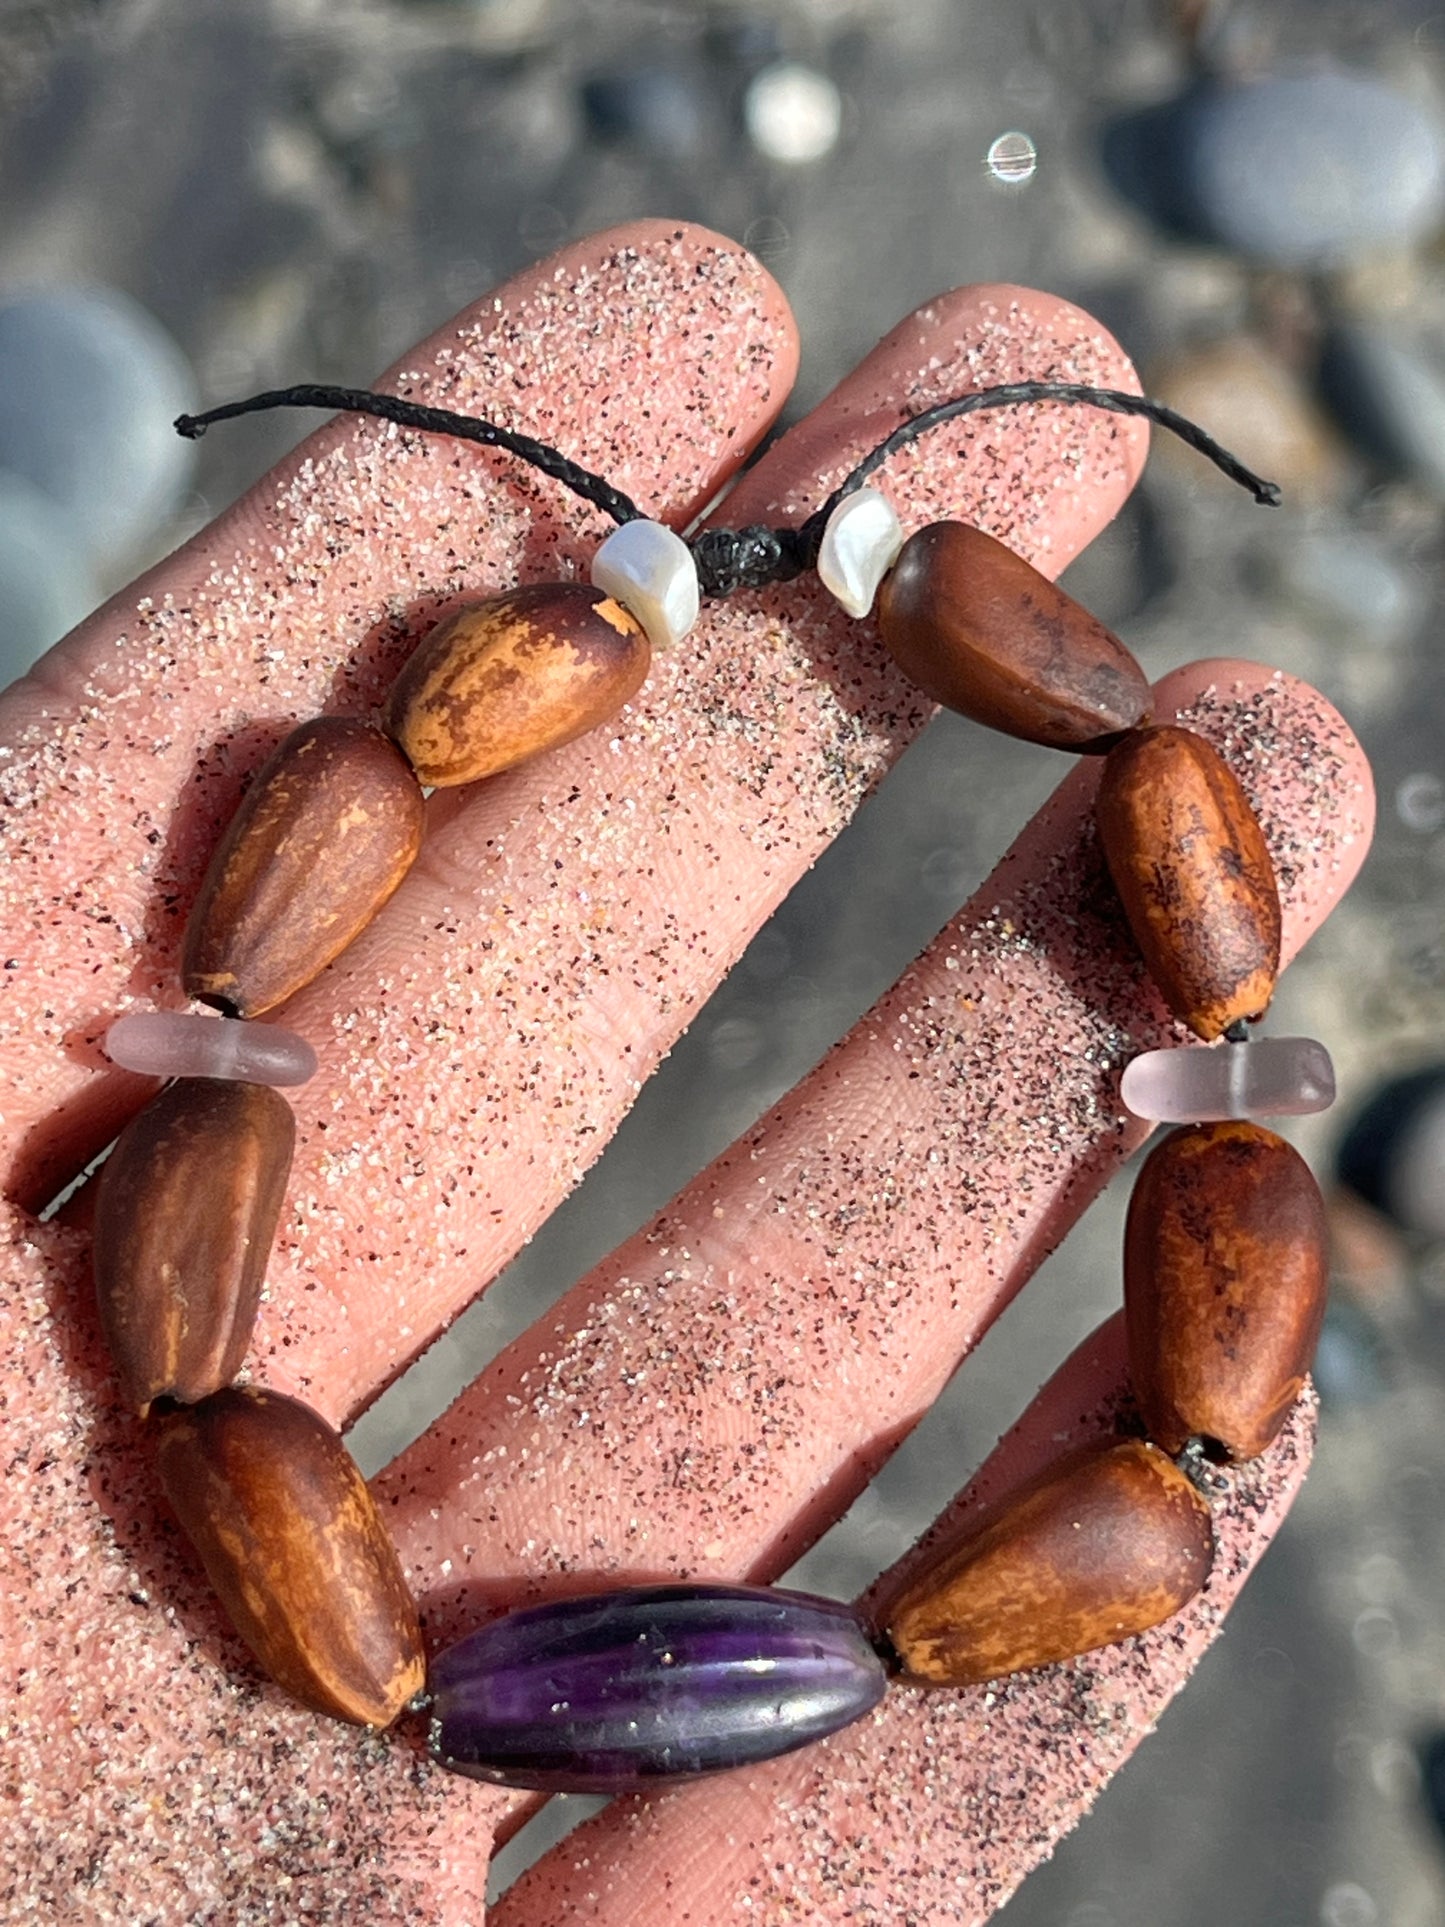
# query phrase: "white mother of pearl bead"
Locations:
[[861, 540], [650, 571]]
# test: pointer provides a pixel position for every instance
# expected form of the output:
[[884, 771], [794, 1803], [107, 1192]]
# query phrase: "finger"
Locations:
[[155, 1779], [483, 1040], [763, 685], [714, 1395], [936, 1806], [657, 354]]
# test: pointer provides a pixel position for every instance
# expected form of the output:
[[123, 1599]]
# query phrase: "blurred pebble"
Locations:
[[1394, 1771], [92, 386], [1091, 1913], [1393, 1154], [1251, 401], [1133, 560], [1367, 1253], [735, 1043], [1420, 802], [46, 584], [769, 955], [1393, 280], [494, 26], [748, 41], [1271, 1672], [1348, 1367], [948, 874], [1299, 170], [767, 237], [542, 227], [1347, 1905], [1417, 1179], [1343, 582], [792, 113], [1191, 293], [1389, 396], [658, 109], [1432, 1778]]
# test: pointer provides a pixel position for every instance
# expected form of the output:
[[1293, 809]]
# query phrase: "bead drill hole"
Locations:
[[886, 1651], [221, 1004], [1200, 1460]]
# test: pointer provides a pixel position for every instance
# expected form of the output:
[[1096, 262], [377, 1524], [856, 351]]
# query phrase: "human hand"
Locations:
[[718, 1391]]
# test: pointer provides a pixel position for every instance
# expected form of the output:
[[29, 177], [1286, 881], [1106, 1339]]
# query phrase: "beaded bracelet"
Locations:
[[1224, 1253]]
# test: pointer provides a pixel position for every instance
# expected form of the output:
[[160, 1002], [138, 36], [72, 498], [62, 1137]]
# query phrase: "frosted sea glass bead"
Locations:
[[1268, 1077], [861, 541], [650, 571], [179, 1043]]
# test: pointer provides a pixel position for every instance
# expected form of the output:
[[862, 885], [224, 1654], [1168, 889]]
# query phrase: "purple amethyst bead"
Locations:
[[625, 1689]]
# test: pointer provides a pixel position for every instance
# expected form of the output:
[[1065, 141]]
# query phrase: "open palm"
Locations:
[[714, 1395]]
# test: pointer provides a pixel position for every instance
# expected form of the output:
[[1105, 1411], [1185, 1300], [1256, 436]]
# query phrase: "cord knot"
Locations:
[[752, 558]]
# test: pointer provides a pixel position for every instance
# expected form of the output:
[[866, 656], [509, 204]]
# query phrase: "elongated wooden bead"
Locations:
[[626, 1689], [326, 832], [1108, 1542], [1194, 875], [184, 1217], [1225, 1275], [505, 679], [296, 1550], [979, 630]]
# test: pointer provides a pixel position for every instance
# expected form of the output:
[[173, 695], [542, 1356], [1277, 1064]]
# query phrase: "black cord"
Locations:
[[432, 421], [1116, 401], [732, 559]]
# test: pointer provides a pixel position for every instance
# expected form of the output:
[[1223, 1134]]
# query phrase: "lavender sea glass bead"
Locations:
[[626, 1689], [1267, 1077], [178, 1043]]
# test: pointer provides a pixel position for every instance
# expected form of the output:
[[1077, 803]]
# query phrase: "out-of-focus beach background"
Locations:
[[202, 201]]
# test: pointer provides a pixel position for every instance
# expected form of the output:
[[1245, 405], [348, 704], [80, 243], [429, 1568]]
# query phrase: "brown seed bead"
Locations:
[[184, 1218], [1108, 1542], [294, 1546], [979, 630], [505, 679], [328, 829], [1193, 872], [1225, 1272]]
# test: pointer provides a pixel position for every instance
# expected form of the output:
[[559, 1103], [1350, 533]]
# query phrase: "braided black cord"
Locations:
[[1116, 401], [433, 421], [732, 559]]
